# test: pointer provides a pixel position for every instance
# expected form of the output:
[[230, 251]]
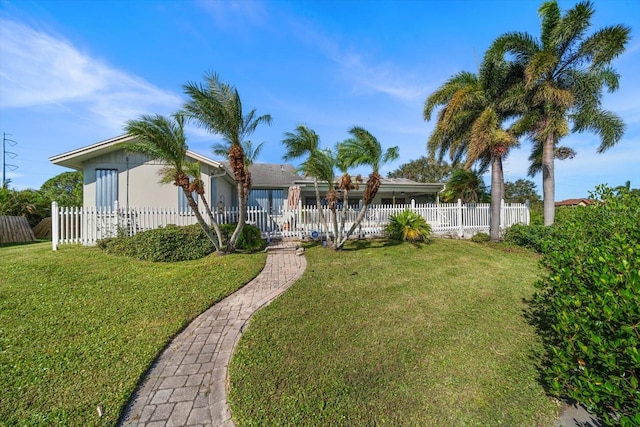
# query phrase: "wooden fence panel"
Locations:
[[15, 229]]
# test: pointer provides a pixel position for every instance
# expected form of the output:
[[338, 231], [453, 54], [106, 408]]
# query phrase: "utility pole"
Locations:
[[6, 153]]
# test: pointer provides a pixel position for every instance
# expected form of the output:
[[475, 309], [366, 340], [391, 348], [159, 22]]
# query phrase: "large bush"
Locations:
[[589, 306], [174, 243], [170, 243]]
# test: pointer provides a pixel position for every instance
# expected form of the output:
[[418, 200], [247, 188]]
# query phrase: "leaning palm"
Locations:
[[216, 106], [163, 139], [363, 149], [565, 71], [318, 164]]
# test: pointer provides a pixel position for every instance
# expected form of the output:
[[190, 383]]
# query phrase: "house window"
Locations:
[[106, 187], [183, 204], [271, 200]]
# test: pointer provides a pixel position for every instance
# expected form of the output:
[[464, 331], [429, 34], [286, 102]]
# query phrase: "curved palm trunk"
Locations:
[[548, 180], [194, 207], [353, 227], [496, 193], [370, 191], [243, 196], [323, 219], [214, 222]]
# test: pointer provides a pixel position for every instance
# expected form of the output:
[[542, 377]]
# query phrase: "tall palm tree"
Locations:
[[318, 164], [163, 139], [363, 149], [216, 106], [470, 124], [565, 71]]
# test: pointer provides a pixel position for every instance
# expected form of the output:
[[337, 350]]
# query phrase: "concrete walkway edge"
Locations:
[[188, 383]]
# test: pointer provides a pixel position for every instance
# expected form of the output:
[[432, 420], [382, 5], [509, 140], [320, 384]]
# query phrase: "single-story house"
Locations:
[[574, 202], [112, 174]]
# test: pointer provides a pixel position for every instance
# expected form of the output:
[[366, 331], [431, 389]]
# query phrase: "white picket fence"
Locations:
[[88, 225]]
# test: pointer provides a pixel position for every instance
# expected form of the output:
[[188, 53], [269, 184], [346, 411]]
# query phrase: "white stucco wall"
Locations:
[[139, 181]]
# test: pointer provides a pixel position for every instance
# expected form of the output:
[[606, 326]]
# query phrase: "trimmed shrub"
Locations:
[[528, 236], [408, 226], [165, 244], [589, 306], [250, 239], [480, 238]]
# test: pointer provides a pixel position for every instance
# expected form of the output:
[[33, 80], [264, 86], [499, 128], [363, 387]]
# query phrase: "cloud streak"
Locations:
[[41, 69]]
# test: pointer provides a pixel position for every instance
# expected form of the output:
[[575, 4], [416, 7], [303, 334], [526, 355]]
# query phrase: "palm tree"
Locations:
[[565, 71], [251, 153], [363, 149], [163, 139], [318, 164], [197, 186], [466, 185], [470, 125], [216, 106]]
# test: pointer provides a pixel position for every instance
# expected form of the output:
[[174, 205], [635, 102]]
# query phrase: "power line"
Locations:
[[6, 153]]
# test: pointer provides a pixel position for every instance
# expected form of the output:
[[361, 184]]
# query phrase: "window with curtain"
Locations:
[[183, 204], [106, 187], [271, 200]]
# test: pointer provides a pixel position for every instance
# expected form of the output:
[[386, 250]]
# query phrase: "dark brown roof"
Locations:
[[574, 202]]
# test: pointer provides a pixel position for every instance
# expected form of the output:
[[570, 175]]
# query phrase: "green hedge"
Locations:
[[178, 243], [589, 306], [528, 236]]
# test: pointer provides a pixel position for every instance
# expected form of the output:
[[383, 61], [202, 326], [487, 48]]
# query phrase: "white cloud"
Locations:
[[41, 69]]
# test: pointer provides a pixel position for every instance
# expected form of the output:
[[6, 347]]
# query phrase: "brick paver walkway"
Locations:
[[187, 385]]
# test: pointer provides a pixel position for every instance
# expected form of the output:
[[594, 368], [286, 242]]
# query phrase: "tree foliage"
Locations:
[[520, 191], [65, 189], [423, 169], [589, 306]]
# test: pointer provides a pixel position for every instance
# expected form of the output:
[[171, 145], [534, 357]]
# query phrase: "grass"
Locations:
[[79, 327], [398, 336]]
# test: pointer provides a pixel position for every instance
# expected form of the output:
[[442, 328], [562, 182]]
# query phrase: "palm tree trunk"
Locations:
[[353, 227], [194, 207], [496, 190], [323, 219], [242, 217], [548, 179], [212, 218]]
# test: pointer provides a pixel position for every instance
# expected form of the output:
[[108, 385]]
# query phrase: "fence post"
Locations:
[[527, 212], [460, 223], [413, 205], [300, 220], [55, 226], [502, 214]]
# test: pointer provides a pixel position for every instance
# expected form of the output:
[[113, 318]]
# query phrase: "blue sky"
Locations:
[[73, 71]]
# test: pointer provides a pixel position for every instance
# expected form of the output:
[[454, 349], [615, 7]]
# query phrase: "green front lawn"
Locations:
[[398, 336], [78, 327]]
